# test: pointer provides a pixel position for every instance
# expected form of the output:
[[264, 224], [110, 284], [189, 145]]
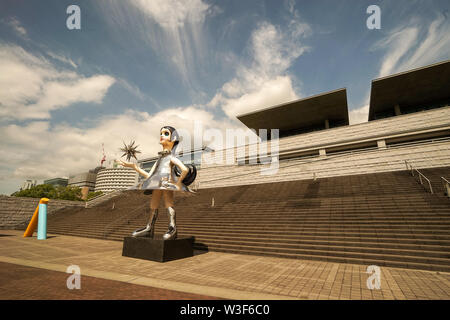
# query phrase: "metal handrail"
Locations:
[[105, 196], [96, 197], [446, 185], [420, 175], [100, 196]]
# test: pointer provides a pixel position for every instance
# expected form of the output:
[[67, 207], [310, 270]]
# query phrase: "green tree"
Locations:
[[68, 193], [49, 191], [93, 195]]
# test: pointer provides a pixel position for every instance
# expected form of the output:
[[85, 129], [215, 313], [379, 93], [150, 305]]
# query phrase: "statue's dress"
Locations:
[[159, 180]]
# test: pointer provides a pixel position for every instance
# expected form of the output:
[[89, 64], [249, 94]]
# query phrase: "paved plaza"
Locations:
[[27, 283], [204, 276]]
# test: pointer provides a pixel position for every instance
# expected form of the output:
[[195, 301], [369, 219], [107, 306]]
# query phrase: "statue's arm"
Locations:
[[135, 167], [184, 170]]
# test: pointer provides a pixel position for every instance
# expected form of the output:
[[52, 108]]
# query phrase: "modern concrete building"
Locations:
[[110, 179], [409, 120], [412, 91], [323, 111], [57, 182], [28, 184], [83, 180]]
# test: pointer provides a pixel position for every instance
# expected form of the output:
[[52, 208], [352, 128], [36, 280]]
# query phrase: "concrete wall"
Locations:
[[381, 157], [18, 210]]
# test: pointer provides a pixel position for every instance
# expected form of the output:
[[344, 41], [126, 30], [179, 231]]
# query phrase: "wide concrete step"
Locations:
[[394, 249], [419, 244], [334, 252], [314, 204], [268, 230], [271, 232], [288, 227], [379, 261], [294, 220], [322, 212], [335, 221], [239, 229]]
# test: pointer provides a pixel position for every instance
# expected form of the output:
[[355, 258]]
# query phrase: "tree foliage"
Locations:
[[93, 195], [49, 191]]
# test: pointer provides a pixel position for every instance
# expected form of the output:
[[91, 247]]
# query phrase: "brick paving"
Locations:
[[27, 283], [224, 275]]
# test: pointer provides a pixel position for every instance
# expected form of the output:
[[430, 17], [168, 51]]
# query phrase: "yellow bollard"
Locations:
[[34, 219]]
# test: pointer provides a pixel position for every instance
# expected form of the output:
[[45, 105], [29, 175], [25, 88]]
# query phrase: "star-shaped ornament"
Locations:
[[129, 151]]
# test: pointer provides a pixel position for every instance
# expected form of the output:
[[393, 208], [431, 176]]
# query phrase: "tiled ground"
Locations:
[[222, 275], [27, 283]]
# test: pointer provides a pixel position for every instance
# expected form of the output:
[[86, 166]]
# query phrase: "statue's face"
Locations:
[[164, 138]]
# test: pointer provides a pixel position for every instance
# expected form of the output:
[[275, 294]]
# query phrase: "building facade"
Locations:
[[409, 121], [57, 182], [28, 184], [111, 179], [84, 180]]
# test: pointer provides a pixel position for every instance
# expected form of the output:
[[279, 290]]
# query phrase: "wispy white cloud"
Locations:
[[265, 81], [136, 91], [173, 14], [31, 87], [17, 26], [399, 44], [177, 31], [174, 30], [271, 92], [411, 46], [62, 58], [433, 48], [415, 46]]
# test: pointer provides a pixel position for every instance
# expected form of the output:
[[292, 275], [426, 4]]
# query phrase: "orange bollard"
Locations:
[[34, 219]]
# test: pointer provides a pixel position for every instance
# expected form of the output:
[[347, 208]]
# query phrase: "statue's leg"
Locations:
[[171, 233], [149, 229]]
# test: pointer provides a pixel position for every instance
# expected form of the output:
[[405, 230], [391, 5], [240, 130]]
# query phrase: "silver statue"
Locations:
[[161, 180]]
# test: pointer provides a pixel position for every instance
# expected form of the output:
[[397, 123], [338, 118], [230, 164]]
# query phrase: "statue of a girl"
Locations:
[[161, 180]]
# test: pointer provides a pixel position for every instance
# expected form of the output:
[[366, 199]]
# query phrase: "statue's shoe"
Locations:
[[171, 234], [146, 231]]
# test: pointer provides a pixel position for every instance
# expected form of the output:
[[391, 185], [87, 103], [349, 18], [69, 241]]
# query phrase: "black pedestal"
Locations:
[[158, 249]]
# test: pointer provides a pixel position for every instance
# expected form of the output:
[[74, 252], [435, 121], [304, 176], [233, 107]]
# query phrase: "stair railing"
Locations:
[[446, 186], [420, 175], [105, 196]]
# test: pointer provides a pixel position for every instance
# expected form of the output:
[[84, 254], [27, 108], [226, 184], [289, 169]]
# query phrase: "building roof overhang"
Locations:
[[303, 113], [426, 85]]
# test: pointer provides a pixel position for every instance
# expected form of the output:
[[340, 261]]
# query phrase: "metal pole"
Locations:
[[42, 222]]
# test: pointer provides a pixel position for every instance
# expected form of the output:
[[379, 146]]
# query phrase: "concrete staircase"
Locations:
[[102, 198], [17, 211], [386, 219], [435, 178]]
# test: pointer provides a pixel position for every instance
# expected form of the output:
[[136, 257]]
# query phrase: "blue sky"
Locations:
[[137, 65]]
